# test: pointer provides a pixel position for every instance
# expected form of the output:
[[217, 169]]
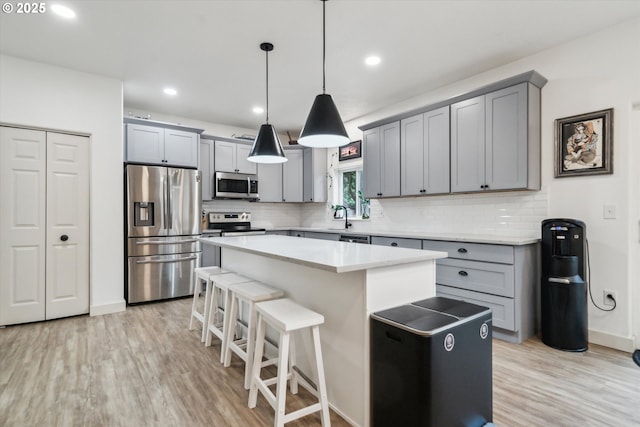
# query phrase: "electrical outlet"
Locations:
[[609, 211], [608, 301]]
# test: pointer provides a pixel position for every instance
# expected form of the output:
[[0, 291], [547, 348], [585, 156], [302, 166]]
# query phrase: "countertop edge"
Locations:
[[424, 255], [479, 238]]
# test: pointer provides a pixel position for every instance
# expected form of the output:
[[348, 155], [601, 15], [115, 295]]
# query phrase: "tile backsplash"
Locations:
[[506, 214], [516, 214]]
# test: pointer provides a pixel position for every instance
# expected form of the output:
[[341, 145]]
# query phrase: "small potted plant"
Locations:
[[365, 204]]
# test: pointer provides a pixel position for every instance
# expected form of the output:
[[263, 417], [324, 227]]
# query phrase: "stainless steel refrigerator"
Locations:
[[162, 226]]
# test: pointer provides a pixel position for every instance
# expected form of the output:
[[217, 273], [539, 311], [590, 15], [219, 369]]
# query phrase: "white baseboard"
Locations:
[[610, 340], [114, 307]]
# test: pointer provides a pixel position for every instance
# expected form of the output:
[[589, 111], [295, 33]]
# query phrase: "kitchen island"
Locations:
[[343, 281]]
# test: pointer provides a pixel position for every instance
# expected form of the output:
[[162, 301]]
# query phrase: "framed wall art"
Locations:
[[350, 151], [584, 144]]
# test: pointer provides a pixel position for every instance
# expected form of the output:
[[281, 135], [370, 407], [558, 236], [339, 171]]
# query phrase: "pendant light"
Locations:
[[324, 127], [267, 147]]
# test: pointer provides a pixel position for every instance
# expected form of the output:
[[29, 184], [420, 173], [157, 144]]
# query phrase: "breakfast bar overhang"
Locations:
[[345, 282]]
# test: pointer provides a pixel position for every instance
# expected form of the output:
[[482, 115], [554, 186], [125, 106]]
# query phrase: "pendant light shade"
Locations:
[[267, 147], [324, 127]]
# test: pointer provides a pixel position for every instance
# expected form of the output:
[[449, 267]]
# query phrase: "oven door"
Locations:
[[235, 186]]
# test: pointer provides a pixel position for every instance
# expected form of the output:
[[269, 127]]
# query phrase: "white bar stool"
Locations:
[[250, 293], [202, 274], [286, 316], [219, 287]]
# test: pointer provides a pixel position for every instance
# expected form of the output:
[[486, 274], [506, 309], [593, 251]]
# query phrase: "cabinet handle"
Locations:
[[64, 237], [463, 273], [462, 250], [394, 244]]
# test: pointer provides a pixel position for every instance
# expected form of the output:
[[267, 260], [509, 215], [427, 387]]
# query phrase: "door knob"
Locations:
[[64, 237]]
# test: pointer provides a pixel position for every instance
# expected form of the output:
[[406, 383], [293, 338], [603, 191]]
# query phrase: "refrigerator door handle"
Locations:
[[167, 261], [167, 242], [168, 205]]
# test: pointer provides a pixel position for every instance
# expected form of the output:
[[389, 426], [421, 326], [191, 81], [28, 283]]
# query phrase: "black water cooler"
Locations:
[[563, 289]]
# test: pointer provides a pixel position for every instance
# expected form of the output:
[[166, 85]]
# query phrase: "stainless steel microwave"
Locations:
[[235, 186]]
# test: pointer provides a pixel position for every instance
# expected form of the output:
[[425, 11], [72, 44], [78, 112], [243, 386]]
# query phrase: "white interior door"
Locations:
[[22, 225], [67, 256]]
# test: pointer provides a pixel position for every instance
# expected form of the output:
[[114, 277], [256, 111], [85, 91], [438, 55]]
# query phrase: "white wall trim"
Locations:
[[101, 309], [610, 340]]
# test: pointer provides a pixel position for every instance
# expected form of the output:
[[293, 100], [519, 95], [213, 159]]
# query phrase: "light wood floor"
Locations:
[[143, 367]]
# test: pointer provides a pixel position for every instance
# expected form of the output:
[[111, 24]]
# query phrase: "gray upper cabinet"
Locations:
[[206, 168], [467, 145], [381, 161], [495, 141], [232, 157], [292, 177], [270, 182], [315, 175], [157, 145], [424, 149]]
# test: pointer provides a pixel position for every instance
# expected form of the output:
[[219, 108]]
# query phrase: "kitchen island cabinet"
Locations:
[[345, 282]]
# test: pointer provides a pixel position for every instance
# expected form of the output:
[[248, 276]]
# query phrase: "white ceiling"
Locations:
[[209, 50]]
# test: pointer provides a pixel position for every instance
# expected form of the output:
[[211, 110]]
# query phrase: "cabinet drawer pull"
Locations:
[[463, 273], [462, 250], [394, 244]]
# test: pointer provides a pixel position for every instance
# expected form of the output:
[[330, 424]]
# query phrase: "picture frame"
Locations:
[[584, 144], [350, 151]]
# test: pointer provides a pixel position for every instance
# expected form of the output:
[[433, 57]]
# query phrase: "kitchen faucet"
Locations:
[[347, 224]]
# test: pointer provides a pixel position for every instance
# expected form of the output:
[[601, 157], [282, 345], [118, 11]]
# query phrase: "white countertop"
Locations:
[[338, 257], [471, 238]]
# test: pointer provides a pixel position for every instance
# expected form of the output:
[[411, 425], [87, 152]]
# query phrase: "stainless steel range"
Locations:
[[225, 224], [231, 224]]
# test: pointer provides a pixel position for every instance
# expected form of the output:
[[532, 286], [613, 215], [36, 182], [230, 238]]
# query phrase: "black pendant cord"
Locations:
[[267, 72], [324, 44], [267, 47]]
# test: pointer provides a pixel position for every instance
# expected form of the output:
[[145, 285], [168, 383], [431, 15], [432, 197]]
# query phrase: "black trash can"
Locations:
[[564, 321], [431, 365]]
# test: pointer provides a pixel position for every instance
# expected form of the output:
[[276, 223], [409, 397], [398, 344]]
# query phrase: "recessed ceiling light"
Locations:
[[372, 60], [63, 11], [170, 91], [258, 110]]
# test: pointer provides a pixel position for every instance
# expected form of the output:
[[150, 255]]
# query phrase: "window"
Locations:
[[350, 194]]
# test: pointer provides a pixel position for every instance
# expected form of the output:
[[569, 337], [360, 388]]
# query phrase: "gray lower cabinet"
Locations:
[[381, 161], [279, 232], [322, 236], [400, 242], [501, 277], [495, 141], [424, 150]]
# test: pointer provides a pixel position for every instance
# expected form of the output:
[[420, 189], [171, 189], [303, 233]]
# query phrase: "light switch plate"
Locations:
[[609, 212]]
